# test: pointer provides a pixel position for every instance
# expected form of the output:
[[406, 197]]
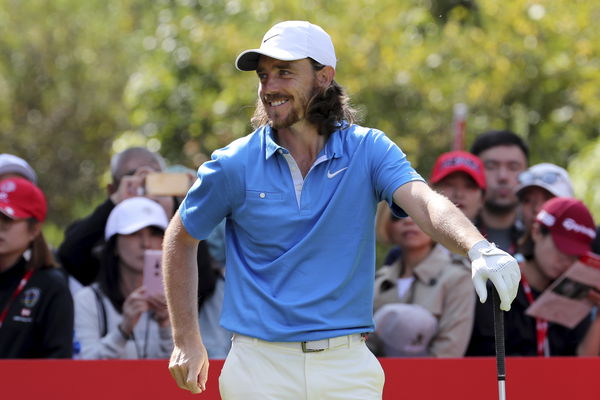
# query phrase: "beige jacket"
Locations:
[[443, 286]]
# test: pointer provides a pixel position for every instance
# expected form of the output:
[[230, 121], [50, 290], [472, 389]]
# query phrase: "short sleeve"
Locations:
[[390, 169], [208, 200]]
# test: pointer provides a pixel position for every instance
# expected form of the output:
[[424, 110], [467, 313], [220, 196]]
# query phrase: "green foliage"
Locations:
[[62, 70], [81, 80], [586, 176]]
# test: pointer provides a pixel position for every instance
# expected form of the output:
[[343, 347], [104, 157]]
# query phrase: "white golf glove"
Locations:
[[490, 262]]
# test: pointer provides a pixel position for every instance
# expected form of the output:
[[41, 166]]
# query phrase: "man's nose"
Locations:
[[270, 85], [503, 173]]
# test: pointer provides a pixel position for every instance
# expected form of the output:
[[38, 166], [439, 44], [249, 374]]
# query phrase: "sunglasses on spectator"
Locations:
[[526, 177]]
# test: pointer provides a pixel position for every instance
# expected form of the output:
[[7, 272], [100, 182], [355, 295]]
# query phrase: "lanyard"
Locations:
[[541, 325], [14, 295]]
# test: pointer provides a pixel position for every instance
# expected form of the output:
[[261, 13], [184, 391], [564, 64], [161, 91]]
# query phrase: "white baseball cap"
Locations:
[[405, 329], [11, 164], [289, 41], [548, 176], [133, 214]]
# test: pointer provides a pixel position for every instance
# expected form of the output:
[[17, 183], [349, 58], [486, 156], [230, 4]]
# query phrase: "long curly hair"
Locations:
[[326, 109]]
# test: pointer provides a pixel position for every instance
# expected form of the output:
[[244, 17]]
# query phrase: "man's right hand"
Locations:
[[189, 367]]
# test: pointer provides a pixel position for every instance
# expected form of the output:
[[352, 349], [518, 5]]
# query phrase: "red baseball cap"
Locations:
[[20, 199], [570, 223], [455, 161]]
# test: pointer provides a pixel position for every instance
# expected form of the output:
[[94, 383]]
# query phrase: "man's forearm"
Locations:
[[450, 226], [181, 280], [438, 217]]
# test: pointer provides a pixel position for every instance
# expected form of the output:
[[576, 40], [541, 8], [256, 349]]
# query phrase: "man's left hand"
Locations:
[[490, 262]]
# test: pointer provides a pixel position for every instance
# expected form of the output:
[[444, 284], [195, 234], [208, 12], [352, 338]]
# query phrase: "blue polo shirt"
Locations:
[[300, 252]]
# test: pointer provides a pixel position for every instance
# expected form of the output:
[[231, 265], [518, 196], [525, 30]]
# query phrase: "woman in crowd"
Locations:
[[116, 317], [561, 233], [36, 308], [436, 285]]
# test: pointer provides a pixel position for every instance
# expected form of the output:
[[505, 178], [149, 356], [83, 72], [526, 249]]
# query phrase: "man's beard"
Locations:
[[294, 114], [290, 120]]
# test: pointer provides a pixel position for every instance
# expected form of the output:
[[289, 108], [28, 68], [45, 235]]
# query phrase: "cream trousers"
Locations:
[[259, 370]]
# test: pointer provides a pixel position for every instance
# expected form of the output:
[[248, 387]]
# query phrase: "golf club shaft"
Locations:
[[499, 339]]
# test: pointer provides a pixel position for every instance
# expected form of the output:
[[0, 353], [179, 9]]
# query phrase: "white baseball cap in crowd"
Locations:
[[11, 164], [405, 329], [289, 41], [133, 214], [548, 176]]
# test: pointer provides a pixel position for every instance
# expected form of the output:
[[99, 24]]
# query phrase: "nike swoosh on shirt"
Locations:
[[332, 174], [271, 37]]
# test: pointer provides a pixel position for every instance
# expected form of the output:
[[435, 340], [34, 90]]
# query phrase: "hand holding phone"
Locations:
[[153, 278], [167, 184]]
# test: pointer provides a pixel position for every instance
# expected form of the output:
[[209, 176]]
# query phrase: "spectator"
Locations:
[[429, 276], [549, 249], [538, 184], [36, 308], [115, 317], [504, 155], [460, 177], [12, 166], [83, 239]]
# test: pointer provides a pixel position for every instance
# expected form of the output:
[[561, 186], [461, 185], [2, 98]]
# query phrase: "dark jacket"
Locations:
[[39, 323], [520, 332]]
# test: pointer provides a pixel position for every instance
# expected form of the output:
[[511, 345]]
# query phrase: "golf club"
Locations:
[[499, 339]]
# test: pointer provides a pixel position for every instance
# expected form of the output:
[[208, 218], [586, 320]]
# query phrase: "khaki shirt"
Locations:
[[443, 286]]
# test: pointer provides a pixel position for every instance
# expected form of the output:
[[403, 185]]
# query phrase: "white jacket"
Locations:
[[149, 340]]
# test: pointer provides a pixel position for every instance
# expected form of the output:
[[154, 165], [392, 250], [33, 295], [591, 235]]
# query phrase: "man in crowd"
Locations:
[[504, 155], [78, 253]]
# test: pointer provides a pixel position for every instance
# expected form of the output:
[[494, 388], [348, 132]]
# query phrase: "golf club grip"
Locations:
[[499, 335]]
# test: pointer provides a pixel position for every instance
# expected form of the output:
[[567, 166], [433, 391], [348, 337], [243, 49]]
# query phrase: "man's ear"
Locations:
[[325, 76]]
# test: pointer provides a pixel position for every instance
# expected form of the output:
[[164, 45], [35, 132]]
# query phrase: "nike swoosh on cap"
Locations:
[[332, 174], [270, 37]]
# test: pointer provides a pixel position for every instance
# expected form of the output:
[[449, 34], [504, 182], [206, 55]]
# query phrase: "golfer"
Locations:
[[299, 195]]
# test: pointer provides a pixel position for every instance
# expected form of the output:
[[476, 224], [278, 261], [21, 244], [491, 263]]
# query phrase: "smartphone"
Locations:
[[167, 184], [153, 278]]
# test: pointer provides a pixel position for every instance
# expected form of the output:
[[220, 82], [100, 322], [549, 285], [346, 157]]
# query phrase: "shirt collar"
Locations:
[[334, 147], [270, 145]]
